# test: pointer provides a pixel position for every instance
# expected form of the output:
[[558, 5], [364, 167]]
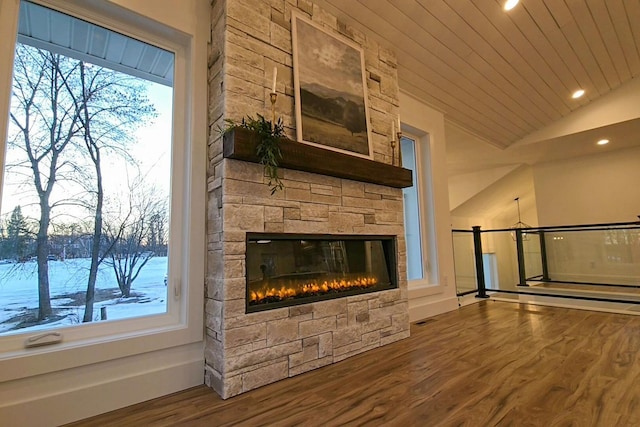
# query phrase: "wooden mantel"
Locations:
[[240, 144]]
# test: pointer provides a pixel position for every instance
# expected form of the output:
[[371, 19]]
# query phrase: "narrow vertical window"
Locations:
[[86, 191], [412, 213]]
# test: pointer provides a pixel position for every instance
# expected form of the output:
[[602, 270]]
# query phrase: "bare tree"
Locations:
[[158, 232], [113, 106], [131, 240], [47, 123]]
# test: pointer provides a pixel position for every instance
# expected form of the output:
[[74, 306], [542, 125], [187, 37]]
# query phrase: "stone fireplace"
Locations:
[[246, 349]]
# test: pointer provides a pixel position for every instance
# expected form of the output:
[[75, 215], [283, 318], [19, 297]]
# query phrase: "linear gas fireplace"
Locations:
[[291, 269]]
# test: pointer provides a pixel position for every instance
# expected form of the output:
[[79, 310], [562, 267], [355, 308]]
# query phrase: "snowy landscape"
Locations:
[[68, 283]]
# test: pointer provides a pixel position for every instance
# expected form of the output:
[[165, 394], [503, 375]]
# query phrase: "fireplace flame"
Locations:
[[275, 294]]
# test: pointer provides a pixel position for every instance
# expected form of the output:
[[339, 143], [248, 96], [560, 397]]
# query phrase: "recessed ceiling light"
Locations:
[[603, 142], [577, 94], [510, 4]]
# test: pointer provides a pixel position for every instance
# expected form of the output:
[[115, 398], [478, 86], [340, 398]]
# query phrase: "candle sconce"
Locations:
[[274, 97], [395, 140], [393, 150], [396, 136], [399, 139]]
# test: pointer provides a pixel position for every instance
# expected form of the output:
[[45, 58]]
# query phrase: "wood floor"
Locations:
[[487, 364]]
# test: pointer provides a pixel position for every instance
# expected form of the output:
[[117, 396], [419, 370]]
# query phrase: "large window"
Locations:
[[413, 223], [84, 225], [99, 175]]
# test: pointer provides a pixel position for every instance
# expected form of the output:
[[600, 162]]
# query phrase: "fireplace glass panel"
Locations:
[[285, 270]]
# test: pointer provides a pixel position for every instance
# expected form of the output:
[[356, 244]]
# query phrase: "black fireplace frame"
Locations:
[[390, 246]]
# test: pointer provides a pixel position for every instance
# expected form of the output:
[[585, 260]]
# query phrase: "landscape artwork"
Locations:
[[331, 97]]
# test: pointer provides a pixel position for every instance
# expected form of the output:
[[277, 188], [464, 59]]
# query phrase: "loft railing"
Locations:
[[598, 262]]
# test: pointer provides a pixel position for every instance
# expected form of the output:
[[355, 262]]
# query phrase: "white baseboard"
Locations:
[[419, 310], [71, 403], [468, 300]]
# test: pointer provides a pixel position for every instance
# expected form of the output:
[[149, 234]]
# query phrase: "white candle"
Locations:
[[275, 77], [399, 127], [393, 130]]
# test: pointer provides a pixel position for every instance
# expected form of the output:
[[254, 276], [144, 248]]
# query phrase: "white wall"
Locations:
[[463, 187], [494, 206], [85, 380], [591, 189], [439, 295]]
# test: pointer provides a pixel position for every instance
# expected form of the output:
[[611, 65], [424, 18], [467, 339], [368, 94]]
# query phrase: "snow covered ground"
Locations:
[[68, 281]]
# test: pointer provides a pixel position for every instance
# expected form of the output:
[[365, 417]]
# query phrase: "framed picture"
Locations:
[[330, 90]]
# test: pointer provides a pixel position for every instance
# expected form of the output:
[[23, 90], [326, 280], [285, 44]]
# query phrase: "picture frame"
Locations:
[[331, 99]]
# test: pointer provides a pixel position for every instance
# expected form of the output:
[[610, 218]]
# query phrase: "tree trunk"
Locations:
[[127, 286], [95, 252], [42, 251], [124, 282], [94, 152]]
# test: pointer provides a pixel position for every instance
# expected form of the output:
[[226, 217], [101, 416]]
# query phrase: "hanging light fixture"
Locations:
[[519, 224]]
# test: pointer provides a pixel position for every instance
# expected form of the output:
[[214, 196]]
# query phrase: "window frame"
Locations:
[[419, 180], [429, 284], [420, 208], [183, 322]]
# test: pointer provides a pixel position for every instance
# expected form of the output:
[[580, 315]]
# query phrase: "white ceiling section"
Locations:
[[504, 75], [47, 29]]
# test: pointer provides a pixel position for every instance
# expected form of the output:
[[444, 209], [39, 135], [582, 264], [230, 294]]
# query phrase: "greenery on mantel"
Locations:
[[268, 148]]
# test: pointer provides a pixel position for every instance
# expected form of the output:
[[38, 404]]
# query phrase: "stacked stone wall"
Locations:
[[245, 351]]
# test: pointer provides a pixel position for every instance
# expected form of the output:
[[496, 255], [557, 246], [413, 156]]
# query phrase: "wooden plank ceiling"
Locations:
[[502, 75]]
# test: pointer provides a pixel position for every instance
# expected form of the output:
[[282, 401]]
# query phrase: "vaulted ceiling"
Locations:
[[501, 75]]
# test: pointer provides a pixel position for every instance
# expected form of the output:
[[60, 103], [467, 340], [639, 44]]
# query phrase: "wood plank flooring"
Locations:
[[487, 364]]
